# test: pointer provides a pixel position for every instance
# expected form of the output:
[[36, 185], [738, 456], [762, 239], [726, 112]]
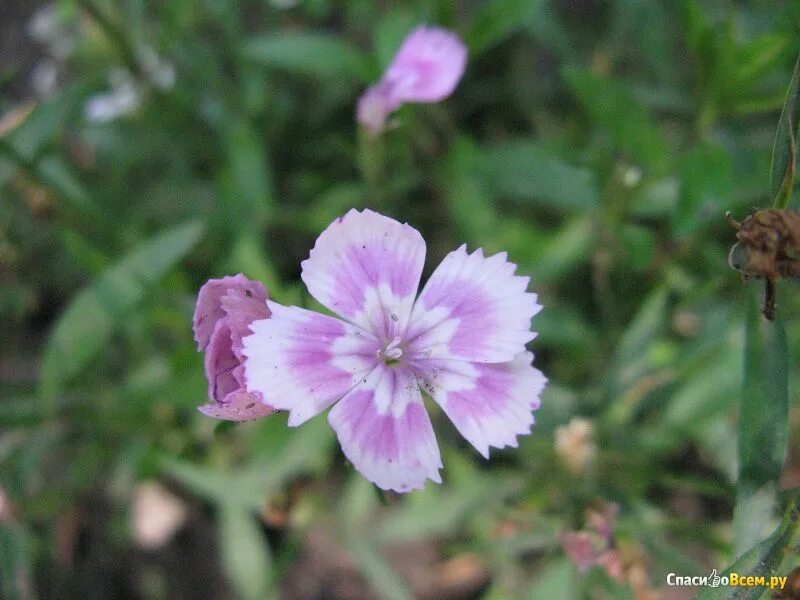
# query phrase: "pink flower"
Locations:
[[225, 309], [427, 68], [462, 341], [584, 548], [594, 545]]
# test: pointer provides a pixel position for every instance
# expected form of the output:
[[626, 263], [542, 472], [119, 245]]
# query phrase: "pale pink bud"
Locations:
[[427, 68]]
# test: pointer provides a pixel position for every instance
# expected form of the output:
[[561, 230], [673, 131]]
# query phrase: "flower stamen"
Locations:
[[392, 352]]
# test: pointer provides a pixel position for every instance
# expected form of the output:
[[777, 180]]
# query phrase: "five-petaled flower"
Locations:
[[462, 341], [225, 309], [427, 68]]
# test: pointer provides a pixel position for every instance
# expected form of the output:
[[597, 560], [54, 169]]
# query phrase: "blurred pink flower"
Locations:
[[584, 548], [462, 340], [601, 518], [225, 309], [594, 545], [427, 68]]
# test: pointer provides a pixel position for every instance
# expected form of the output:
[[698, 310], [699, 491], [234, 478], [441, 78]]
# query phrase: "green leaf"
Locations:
[[86, 325], [550, 29], [384, 581], [46, 121], [468, 200], [247, 179], [499, 19], [611, 107], [657, 199], [438, 512], [20, 412], [563, 327], [706, 188], [355, 521], [705, 393], [763, 559], [245, 553], [56, 174], [15, 562], [569, 247], [222, 488], [307, 53], [559, 404], [356, 505], [642, 331], [752, 515], [524, 170], [306, 450], [757, 58], [639, 244], [764, 408], [558, 579], [640, 29], [50, 172], [784, 150]]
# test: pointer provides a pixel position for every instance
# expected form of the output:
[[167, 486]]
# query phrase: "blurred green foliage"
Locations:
[[599, 143]]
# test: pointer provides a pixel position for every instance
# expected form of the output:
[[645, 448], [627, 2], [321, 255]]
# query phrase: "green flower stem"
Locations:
[[115, 34], [372, 158]]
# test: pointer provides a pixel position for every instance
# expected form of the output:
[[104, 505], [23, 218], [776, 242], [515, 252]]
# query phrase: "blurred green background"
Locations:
[[148, 146]]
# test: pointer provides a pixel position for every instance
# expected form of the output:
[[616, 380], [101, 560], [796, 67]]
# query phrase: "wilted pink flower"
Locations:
[[427, 68], [594, 545], [584, 548], [601, 518], [225, 309], [462, 341]]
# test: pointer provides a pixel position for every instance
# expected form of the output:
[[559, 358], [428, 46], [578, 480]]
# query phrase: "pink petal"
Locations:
[[490, 404], [427, 67], [238, 406], [220, 364], [473, 308], [583, 548], [614, 564], [303, 362], [373, 108], [209, 304], [601, 518], [385, 431], [366, 268], [242, 307]]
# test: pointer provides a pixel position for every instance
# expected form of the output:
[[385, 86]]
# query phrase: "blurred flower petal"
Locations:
[[156, 515], [427, 68]]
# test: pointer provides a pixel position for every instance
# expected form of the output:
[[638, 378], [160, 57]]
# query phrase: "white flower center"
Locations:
[[391, 352]]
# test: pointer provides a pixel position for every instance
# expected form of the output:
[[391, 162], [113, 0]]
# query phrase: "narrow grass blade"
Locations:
[[763, 412], [784, 151], [763, 559]]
